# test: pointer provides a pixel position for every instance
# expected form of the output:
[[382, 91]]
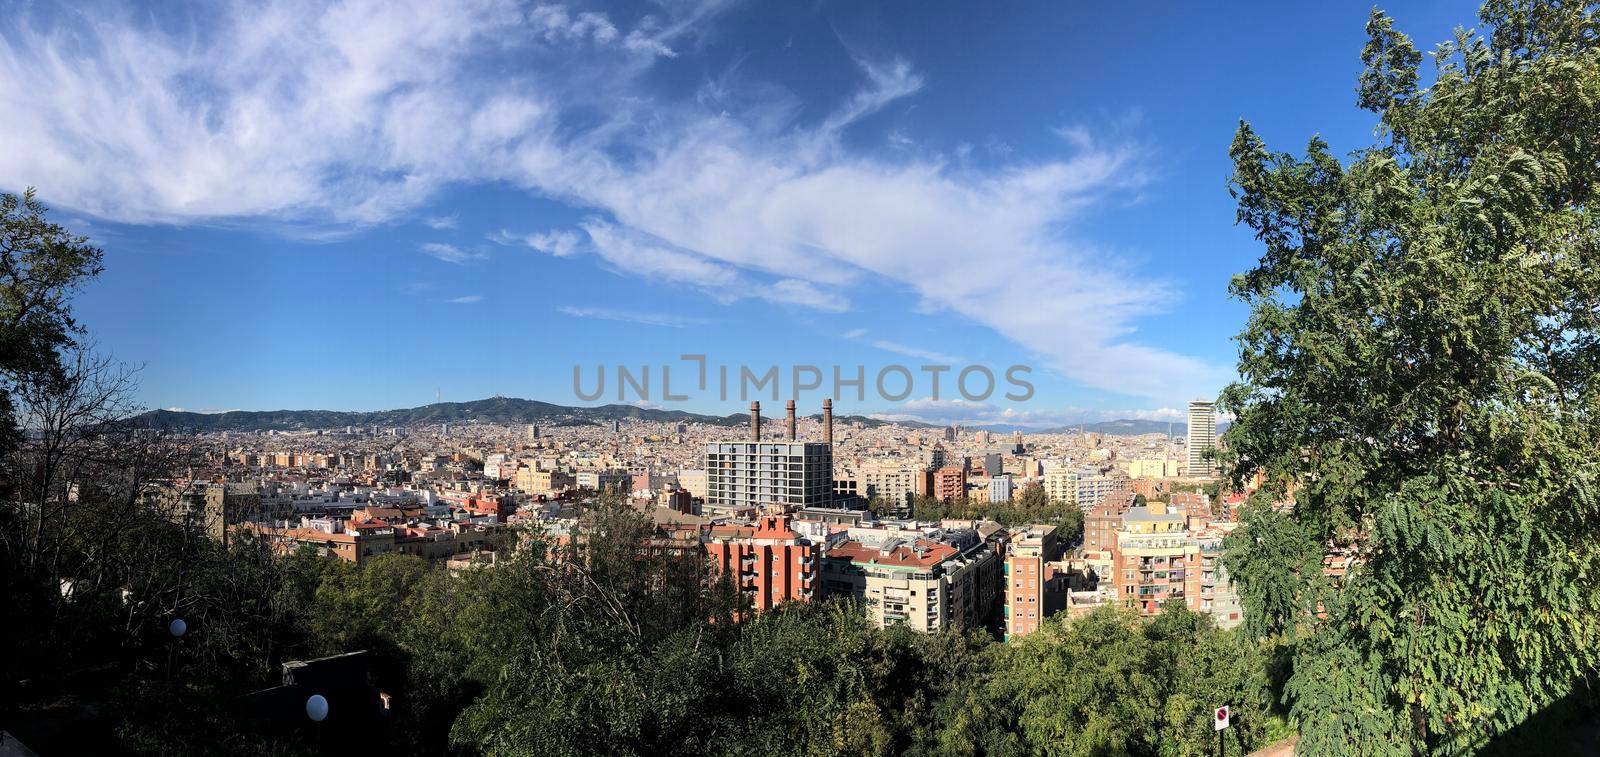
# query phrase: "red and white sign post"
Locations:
[[1219, 721]]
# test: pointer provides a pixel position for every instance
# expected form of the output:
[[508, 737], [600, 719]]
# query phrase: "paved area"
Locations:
[[1283, 748]]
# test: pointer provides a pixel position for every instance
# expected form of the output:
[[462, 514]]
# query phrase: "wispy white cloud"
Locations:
[[632, 253], [358, 113], [450, 253], [948, 411], [669, 320], [558, 243], [468, 299], [860, 335], [556, 24], [916, 352], [441, 223]]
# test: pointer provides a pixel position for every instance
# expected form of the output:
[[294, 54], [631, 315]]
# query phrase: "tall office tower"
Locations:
[[1202, 437], [754, 473], [533, 432]]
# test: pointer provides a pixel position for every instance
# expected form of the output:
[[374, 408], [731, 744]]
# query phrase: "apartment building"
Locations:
[[694, 481], [949, 483], [604, 480], [214, 507], [1103, 521], [1034, 589], [1155, 560], [1217, 594], [789, 474], [1093, 486], [1194, 506], [769, 561], [891, 481], [1060, 482], [545, 482], [1001, 488], [918, 582], [1155, 468]]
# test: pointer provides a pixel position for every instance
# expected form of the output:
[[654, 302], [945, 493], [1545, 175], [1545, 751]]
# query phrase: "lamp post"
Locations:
[[317, 708], [177, 628]]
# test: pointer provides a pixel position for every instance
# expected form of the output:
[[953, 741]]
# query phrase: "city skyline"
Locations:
[[522, 193]]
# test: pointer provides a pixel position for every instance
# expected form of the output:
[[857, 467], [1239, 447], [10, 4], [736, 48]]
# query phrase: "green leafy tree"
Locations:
[[1111, 683], [42, 265], [1420, 363], [1033, 498]]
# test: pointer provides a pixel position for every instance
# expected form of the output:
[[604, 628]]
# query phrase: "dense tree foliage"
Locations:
[[1029, 505], [1420, 366], [610, 640], [41, 266]]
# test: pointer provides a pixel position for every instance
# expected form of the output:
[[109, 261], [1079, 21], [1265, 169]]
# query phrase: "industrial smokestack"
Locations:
[[755, 421], [827, 420], [791, 420]]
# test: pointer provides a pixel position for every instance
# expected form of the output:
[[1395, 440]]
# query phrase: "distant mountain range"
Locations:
[[510, 410], [1124, 427], [499, 410]]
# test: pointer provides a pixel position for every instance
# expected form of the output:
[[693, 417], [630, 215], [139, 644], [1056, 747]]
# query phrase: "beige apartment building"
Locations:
[[893, 481], [536, 481], [1155, 468], [693, 481], [1156, 560], [1060, 482], [924, 585]]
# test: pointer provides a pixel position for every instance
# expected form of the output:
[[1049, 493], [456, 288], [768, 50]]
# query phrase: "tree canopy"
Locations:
[[1418, 375]]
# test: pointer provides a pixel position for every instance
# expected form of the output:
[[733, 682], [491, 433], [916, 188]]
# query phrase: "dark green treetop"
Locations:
[[1420, 365]]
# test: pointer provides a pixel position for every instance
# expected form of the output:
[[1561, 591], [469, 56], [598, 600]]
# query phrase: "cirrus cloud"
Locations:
[[360, 112]]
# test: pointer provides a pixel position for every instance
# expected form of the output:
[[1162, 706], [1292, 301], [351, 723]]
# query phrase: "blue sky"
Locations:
[[360, 206]]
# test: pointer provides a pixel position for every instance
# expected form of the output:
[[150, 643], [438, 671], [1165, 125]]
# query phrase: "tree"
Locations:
[[1109, 682], [1420, 366], [41, 267], [1033, 497]]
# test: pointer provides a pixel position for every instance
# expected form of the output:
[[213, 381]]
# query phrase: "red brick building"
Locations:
[[770, 563], [949, 483]]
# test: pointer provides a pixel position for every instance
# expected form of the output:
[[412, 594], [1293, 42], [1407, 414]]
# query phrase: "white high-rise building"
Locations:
[[1202, 437], [759, 474]]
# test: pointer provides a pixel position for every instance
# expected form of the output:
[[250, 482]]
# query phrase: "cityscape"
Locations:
[[508, 377]]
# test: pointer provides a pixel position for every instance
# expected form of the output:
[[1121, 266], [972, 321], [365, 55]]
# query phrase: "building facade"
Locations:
[[919, 583], [1033, 588], [769, 562], [1155, 560], [757, 474], [1202, 439], [949, 483]]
